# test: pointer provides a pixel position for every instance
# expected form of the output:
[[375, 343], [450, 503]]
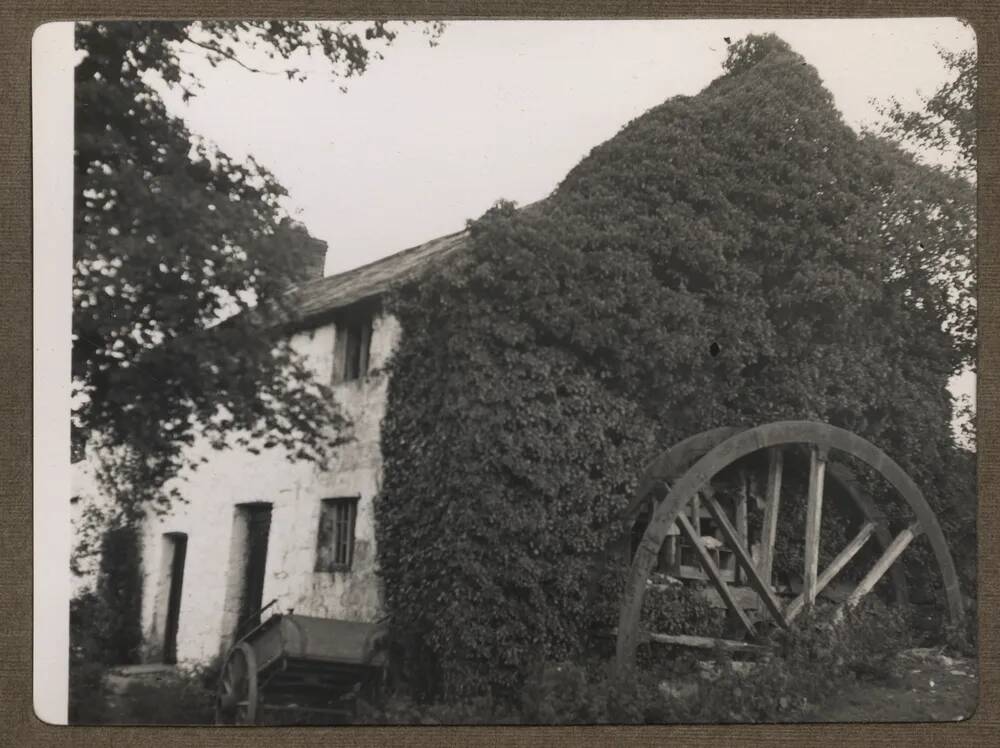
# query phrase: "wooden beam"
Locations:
[[814, 516], [713, 572], [772, 500], [743, 559], [706, 642], [742, 524], [889, 556], [849, 552]]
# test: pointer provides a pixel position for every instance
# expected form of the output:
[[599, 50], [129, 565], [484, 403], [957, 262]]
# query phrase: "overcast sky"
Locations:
[[430, 137]]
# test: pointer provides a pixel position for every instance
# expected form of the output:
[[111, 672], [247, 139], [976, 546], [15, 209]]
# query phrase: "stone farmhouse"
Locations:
[[256, 527]]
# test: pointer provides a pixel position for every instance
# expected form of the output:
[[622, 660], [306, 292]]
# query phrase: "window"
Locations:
[[354, 333], [335, 544]]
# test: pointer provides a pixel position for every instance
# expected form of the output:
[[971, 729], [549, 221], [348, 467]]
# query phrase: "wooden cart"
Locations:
[[302, 664]]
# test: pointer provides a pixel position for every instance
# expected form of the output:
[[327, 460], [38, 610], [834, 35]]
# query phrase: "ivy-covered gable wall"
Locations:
[[734, 257]]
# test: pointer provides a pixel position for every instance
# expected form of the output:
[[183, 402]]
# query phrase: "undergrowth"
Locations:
[[182, 697], [808, 663]]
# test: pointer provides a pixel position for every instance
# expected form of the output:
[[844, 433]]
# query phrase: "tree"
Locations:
[[172, 236], [947, 121], [946, 124], [731, 258]]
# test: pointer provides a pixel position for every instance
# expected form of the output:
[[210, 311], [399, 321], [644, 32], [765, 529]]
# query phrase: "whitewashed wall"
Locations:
[[209, 603]]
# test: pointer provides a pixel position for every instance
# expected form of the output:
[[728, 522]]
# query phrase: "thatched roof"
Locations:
[[318, 299]]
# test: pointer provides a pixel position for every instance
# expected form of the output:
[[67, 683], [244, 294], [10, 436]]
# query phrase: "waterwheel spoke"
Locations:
[[887, 559], [814, 516], [713, 572], [849, 483], [772, 499], [744, 559], [742, 521], [850, 551]]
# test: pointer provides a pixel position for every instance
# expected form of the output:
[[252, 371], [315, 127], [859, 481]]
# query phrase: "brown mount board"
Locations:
[[20, 727]]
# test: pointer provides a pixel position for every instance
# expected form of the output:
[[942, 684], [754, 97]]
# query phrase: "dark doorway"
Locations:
[[258, 526], [178, 553]]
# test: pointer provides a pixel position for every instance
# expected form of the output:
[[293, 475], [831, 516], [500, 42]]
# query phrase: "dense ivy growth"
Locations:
[[735, 257]]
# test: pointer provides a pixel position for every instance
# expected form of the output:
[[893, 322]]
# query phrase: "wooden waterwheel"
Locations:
[[677, 489]]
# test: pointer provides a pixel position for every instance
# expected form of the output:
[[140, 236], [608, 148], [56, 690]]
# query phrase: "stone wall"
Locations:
[[211, 520]]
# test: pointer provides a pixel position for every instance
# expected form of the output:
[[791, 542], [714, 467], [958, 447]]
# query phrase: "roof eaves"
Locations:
[[316, 301]]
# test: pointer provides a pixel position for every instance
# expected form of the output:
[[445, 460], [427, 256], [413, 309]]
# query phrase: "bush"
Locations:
[[810, 662], [105, 622]]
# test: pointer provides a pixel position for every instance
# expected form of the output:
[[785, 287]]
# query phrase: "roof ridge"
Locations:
[[384, 259], [321, 297]]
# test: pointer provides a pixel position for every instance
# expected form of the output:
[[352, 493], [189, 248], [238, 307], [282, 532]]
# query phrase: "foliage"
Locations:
[[105, 621], [947, 122], [961, 637], [513, 501], [170, 236], [104, 624], [538, 372], [809, 664], [682, 609], [89, 526], [672, 608], [178, 697], [591, 693], [87, 696], [555, 693], [402, 709], [181, 696]]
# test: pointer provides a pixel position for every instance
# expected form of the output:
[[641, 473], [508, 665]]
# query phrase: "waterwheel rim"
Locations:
[[668, 466]]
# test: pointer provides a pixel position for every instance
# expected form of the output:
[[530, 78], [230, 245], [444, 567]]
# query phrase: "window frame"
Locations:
[[329, 541], [352, 345]]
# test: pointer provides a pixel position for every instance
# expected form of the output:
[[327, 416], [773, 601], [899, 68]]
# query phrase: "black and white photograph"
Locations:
[[515, 372]]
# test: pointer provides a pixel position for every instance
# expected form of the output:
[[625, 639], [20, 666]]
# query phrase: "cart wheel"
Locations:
[[236, 696]]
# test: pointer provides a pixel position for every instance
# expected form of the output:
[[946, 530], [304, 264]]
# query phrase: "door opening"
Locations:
[[177, 550], [258, 527]]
